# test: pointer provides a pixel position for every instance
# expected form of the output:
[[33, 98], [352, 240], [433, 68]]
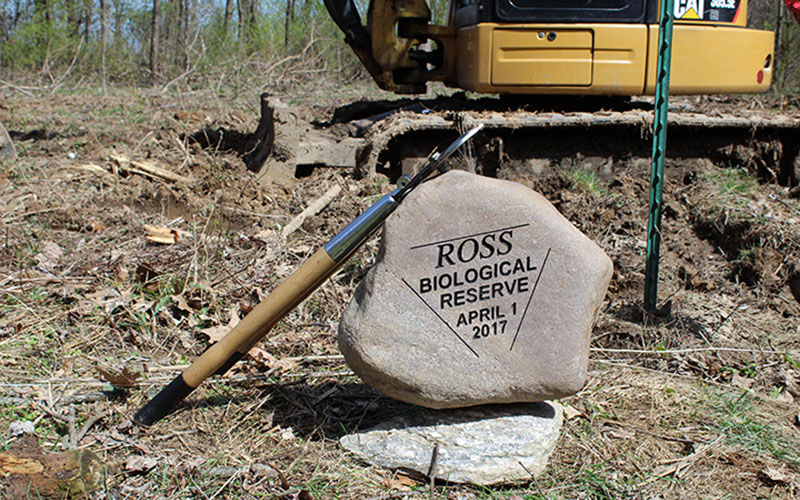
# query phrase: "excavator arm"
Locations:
[[399, 47]]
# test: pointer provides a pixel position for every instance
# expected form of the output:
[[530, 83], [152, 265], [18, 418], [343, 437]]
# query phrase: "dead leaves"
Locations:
[[267, 361], [570, 413], [48, 257], [399, 482], [139, 464], [119, 379], [217, 332], [775, 476]]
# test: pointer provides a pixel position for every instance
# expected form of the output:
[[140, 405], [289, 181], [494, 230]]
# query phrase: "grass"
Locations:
[[735, 180], [736, 416], [587, 181]]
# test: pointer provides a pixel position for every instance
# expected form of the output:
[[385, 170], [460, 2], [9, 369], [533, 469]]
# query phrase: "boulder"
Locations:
[[7, 151], [482, 292]]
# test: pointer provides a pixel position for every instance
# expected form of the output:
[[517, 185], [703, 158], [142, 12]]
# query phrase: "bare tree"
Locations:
[[228, 13], [287, 22], [154, 43], [87, 18], [183, 22], [243, 8], [103, 38]]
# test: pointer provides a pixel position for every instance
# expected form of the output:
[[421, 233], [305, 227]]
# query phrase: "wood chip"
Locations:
[[162, 235]]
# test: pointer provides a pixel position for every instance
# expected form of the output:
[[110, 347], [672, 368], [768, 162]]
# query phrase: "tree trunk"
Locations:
[[180, 54], [87, 19], [168, 13], [103, 38], [191, 28], [17, 13], [253, 15], [287, 21], [154, 43], [243, 25], [777, 59], [228, 13]]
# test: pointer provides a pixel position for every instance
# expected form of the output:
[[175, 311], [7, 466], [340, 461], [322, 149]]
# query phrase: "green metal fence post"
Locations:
[[659, 151]]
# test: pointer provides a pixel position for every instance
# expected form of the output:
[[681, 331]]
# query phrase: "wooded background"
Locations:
[[226, 42]]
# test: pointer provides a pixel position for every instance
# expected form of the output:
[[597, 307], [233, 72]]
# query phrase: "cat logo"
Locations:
[[689, 9]]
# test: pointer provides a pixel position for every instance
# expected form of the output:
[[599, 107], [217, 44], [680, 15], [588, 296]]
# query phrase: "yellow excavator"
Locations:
[[588, 47]]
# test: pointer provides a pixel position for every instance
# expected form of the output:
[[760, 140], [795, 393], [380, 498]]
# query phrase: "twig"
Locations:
[[310, 210], [24, 90], [533, 477], [224, 485], [56, 415], [680, 466], [684, 351], [434, 465], [99, 415], [298, 359], [33, 212], [256, 468], [57, 84], [248, 212], [71, 428], [775, 198], [161, 380], [188, 71]]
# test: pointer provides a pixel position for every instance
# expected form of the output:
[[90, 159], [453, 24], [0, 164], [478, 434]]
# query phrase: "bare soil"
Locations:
[[699, 402]]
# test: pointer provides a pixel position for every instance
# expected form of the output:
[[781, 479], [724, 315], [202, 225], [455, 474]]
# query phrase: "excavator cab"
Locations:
[[588, 47]]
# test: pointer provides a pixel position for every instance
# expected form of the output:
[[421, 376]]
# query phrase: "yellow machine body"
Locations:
[[610, 59], [713, 51]]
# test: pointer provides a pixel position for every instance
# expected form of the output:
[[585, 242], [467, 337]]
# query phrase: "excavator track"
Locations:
[[391, 138], [519, 137]]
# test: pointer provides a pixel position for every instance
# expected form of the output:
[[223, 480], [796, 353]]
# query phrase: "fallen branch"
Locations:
[[313, 209], [142, 168]]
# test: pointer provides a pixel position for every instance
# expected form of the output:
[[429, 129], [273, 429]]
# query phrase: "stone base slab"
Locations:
[[481, 445]]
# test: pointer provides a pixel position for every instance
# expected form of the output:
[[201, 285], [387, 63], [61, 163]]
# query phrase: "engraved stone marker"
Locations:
[[482, 293]]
